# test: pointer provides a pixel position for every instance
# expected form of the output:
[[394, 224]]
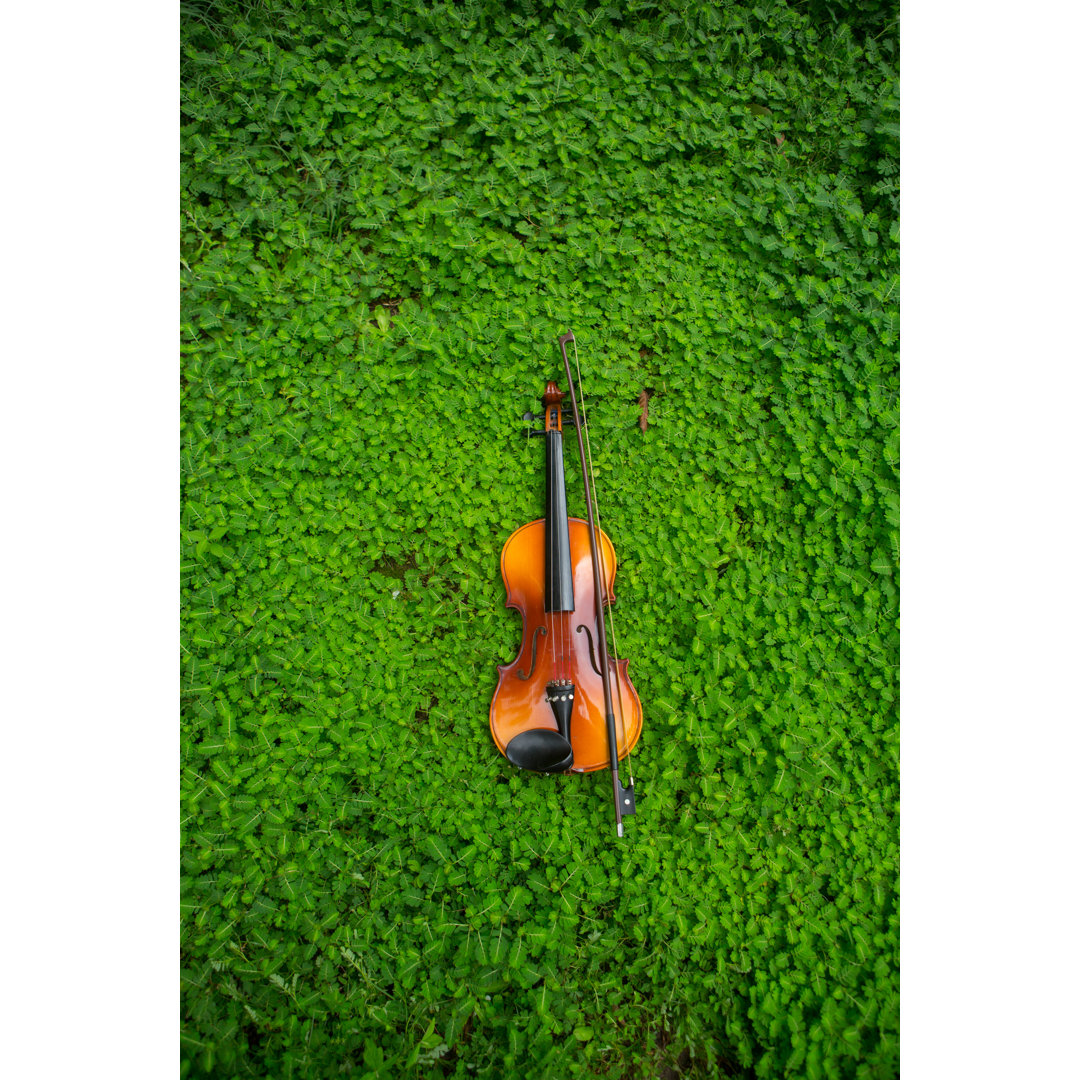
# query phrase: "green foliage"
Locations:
[[388, 216]]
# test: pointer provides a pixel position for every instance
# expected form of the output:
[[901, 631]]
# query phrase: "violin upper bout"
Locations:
[[523, 567]]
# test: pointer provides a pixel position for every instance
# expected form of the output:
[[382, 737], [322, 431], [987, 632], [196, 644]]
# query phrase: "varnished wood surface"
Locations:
[[519, 705]]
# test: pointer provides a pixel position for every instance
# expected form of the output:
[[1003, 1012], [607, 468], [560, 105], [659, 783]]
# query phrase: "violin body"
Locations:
[[557, 647], [563, 705]]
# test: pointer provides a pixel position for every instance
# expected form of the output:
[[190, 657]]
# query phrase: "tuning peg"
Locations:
[[530, 432], [529, 416]]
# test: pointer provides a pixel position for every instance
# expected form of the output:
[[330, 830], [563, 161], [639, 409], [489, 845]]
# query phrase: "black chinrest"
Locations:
[[540, 750]]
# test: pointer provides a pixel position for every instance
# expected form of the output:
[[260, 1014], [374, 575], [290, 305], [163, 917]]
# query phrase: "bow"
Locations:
[[623, 796]]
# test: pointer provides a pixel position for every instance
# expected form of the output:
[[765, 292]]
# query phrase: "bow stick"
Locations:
[[623, 796]]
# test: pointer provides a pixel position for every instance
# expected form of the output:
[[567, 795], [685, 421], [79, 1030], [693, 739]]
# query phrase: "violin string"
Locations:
[[559, 618], [556, 621], [565, 619], [603, 565], [549, 561], [568, 615]]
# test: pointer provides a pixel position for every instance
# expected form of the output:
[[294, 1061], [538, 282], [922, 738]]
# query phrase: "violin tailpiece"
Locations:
[[560, 696]]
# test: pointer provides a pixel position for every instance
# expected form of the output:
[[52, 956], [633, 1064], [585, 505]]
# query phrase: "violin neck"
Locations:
[[558, 578]]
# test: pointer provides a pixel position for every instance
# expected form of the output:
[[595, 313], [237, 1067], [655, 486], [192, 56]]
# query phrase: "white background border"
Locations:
[[90, 540], [989, 539]]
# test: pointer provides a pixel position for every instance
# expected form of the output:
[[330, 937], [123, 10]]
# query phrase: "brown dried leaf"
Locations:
[[643, 404]]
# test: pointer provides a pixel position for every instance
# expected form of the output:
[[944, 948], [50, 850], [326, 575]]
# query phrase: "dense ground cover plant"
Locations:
[[388, 215]]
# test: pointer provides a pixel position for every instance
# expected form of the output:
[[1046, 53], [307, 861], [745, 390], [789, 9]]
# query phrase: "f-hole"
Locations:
[[532, 666], [592, 655]]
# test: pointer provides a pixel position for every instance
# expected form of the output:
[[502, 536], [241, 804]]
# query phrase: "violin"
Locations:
[[564, 705]]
